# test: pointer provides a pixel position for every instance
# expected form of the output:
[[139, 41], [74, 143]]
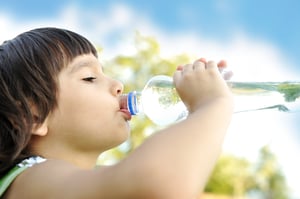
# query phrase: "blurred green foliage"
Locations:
[[232, 176], [291, 91], [237, 176]]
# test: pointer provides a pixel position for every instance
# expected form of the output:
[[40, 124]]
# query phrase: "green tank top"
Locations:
[[7, 179]]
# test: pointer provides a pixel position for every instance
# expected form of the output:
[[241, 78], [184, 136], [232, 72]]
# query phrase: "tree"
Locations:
[[270, 182], [238, 177], [231, 176]]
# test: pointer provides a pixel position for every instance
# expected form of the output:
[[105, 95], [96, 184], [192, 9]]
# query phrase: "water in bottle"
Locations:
[[160, 102]]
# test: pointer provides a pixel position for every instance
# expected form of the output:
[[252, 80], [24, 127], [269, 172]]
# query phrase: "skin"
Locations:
[[173, 163], [88, 119]]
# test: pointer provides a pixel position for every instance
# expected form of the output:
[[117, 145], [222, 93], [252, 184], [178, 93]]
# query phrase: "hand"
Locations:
[[201, 82]]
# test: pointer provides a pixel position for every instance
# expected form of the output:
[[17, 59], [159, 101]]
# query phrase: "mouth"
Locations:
[[126, 114], [123, 107]]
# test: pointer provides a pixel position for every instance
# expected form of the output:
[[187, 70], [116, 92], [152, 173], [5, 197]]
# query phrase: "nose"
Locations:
[[117, 87]]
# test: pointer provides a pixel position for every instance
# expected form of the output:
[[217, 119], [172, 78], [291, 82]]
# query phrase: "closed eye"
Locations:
[[89, 79]]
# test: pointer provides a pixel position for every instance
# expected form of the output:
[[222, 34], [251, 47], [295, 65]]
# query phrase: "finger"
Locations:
[[211, 65], [222, 65], [180, 68], [187, 68], [199, 65], [176, 77]]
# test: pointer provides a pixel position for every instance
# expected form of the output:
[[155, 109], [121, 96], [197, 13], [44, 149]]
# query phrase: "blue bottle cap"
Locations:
[[132, 103]]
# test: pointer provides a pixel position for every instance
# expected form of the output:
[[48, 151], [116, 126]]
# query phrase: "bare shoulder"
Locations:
[[57, 179]]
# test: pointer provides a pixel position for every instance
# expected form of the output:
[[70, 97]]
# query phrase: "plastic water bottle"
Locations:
[[160, 102]]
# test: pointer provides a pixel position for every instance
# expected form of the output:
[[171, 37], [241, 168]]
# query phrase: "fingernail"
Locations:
[[180, 67], [202, 60]]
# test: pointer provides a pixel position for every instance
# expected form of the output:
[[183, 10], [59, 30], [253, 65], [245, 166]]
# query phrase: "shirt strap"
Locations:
[[6, 180]]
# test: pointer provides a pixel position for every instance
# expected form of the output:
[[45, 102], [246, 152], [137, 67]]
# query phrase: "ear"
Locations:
[[41, 129]]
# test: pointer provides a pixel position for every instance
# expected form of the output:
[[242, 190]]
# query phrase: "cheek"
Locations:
[[90, 111], [87, 107]]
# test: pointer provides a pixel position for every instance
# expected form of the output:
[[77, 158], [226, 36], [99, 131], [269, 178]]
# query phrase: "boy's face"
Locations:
[[88, 116]]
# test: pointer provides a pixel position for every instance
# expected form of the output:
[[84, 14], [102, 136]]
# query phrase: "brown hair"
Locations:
[[29, 66]]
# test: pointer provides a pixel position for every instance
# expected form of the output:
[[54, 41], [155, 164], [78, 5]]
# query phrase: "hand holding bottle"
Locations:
[[159, 99], [201, 82]]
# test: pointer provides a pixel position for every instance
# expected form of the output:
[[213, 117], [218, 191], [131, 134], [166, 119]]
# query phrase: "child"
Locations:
[[59, 111]]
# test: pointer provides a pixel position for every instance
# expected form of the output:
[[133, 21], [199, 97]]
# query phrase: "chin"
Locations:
[[122, 137]]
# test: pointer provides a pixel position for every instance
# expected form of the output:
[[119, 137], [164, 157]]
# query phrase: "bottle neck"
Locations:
[[132, 103]]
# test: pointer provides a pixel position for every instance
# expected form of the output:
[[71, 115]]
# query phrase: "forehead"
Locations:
[[82, 61]]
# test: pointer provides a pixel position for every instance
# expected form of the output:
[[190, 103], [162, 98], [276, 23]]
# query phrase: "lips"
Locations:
[[123, 106], [126, 113]]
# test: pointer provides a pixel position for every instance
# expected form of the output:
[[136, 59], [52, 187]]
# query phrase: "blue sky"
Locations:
[[274, 21], [259, 39]]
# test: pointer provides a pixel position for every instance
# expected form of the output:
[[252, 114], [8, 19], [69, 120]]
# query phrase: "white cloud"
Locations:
[[6, 27], [251, 59]]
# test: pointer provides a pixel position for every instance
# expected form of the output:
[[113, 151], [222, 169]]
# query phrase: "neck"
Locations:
[[82, 159]]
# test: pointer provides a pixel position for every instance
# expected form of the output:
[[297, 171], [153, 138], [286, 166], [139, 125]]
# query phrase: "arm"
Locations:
[[173, 163], [176, 162]]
